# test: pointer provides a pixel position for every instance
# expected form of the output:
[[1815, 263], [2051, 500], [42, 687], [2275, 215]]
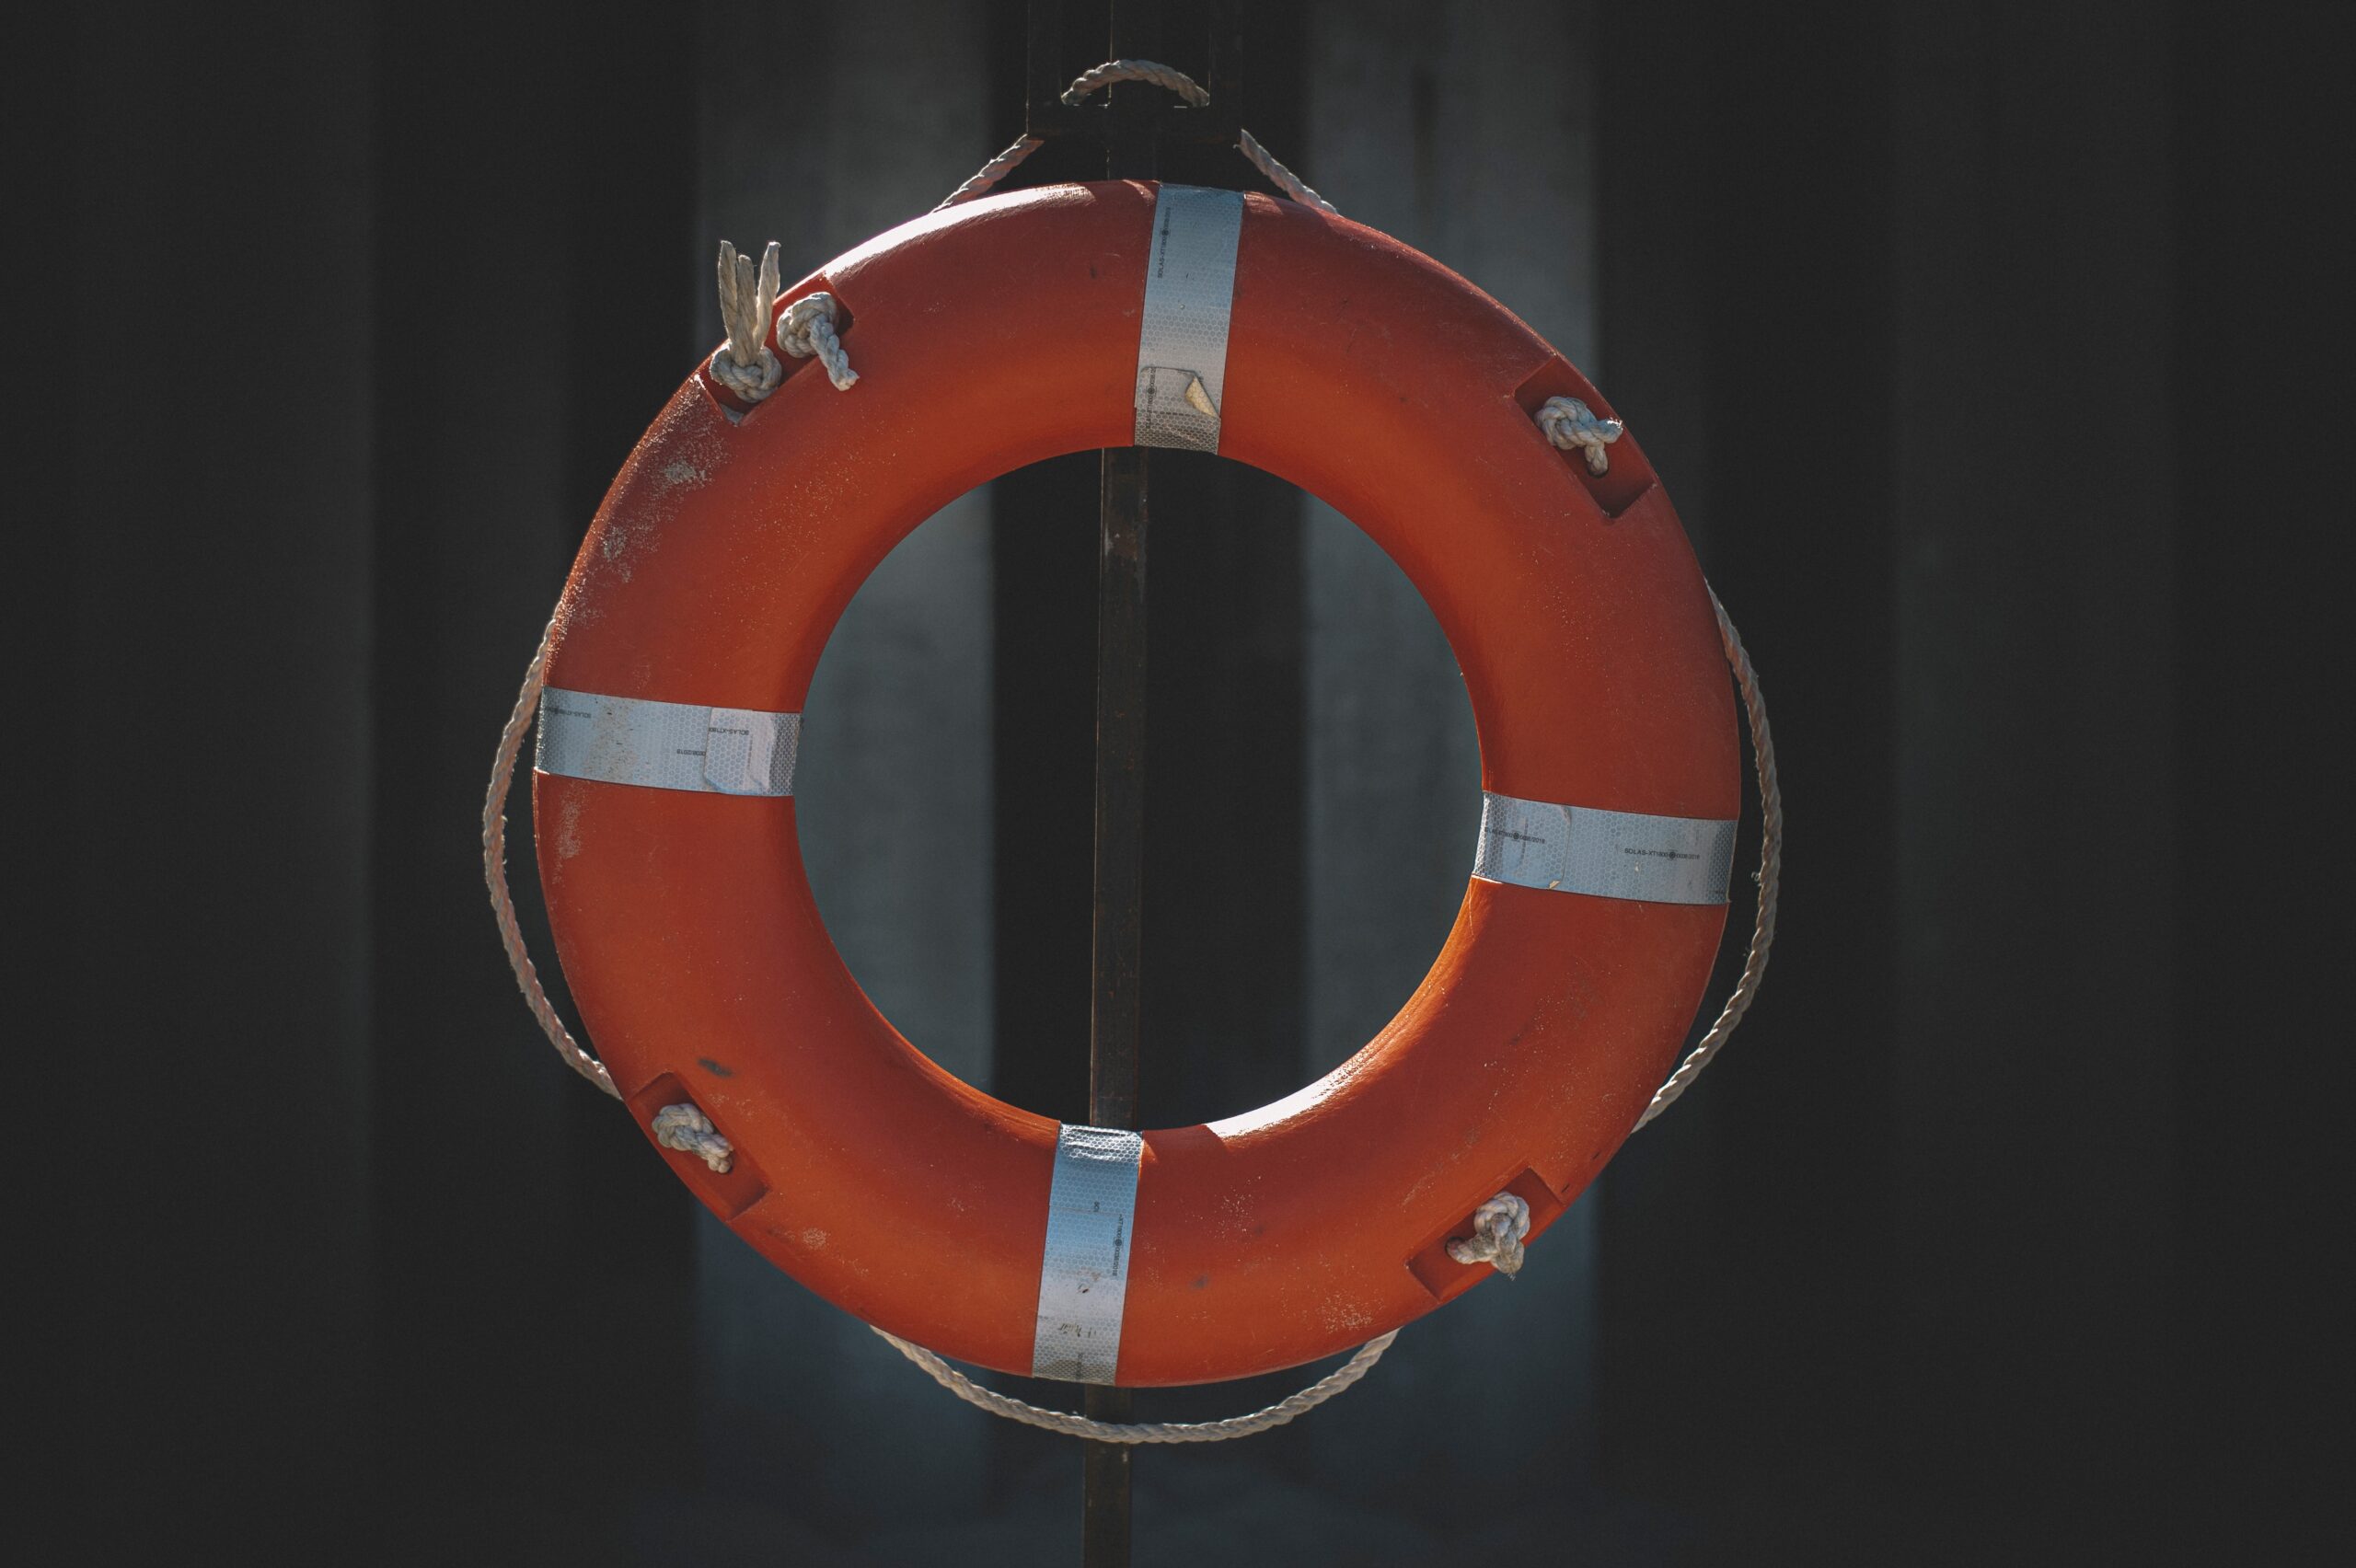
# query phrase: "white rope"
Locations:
[[1097, 77], [1498, 1227], [1290, 1408], [807, 327], [1570, 423], [1770, 873], [747, 303], [744, 364], [990, 173], [1280, 175], [1167, 76], [494, 871], [689, 1130]]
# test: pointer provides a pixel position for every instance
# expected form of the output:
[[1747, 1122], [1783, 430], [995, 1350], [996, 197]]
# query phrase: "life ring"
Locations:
[[1001, 333]]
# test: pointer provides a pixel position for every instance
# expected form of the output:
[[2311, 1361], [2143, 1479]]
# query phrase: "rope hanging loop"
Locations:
[[1769, 876], [1170, 78], [1097, 77], [1291, 1408]]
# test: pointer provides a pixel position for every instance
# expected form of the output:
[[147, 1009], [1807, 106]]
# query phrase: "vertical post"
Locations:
[[1119, 907], [1115, 1007], [1115, 969]]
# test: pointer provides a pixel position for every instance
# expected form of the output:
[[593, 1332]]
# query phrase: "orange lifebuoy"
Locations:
[[1006, 331]]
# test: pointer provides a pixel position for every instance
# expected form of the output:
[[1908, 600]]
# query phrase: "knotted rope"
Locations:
[[689, 1130], [744, 364], [1570, 423], [807, 327], [1498, 1227], [1160, 76], [747, 304]]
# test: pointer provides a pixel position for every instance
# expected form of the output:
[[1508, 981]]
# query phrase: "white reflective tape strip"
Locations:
[[1658, 860], [667, 746], [1181, 336], [1084, 1274]]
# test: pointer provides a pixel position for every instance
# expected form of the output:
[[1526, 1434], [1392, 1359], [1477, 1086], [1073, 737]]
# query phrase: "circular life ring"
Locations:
[[1001, 333]]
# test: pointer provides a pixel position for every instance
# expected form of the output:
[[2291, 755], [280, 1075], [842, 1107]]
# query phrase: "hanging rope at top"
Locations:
[[1165, 76], [1160, 76]]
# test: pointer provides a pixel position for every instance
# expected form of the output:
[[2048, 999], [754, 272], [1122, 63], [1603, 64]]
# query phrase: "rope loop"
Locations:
[[807, 327], [1570, 423], [689, 1130], [494, 873], [1499, 1227], [1097, 77], [1290, 1408], [744, 364], [1769, 876]]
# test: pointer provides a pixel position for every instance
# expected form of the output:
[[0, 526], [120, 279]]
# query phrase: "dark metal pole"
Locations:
[[1120, 887], [1116, 1006], [1116, 1010]]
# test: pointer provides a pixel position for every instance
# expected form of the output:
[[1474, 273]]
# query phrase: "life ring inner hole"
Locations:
[[1309, 740]]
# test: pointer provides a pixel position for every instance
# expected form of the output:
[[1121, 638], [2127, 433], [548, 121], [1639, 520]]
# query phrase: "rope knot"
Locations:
[[1498, 1226], [689, 1131], [1569, 422], [744, 364], [807, 327]]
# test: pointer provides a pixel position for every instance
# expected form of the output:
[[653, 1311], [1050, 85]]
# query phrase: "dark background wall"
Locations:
[[1976, 342]]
